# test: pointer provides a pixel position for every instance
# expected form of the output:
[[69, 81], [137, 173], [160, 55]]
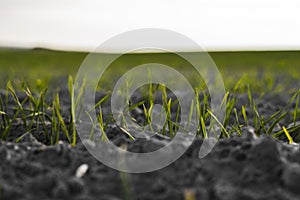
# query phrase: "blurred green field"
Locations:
[[263, 71]]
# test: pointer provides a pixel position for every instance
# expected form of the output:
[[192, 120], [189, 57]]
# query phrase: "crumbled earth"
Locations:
[[246, 167], [238, 168]]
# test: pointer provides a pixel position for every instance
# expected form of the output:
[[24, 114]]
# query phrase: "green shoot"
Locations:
[[245, 115], [73, 119], [239, 131], [291, 141], [127, 133], [220, 124], [10, 88], [296, 110], [190, 114], [203, 127], [23, 135], [269, 131], [103, 99], [60, 118], [102, 126]]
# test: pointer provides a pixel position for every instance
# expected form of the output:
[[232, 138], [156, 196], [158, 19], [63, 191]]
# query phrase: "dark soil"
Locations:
[[239, 168]]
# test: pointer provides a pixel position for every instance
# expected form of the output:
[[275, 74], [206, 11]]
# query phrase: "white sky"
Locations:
[[213, 24]]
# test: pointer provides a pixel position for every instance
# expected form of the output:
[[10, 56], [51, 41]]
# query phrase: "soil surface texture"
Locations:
[[247, 167]]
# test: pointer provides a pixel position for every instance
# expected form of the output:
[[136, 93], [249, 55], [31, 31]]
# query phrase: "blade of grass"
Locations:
[[291, 141], [269, 131], [245, 115], [16, 99], [60, 119], [203, 127], [190, 114], [103, 99], [296, 110], [73, 117], [23, 135], [220, 124], [127, 133], [102, 126]]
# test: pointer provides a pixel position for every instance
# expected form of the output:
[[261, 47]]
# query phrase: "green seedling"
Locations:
[[167, 106], [230, 103], [54, 126], [60, 119], [203, 127], [238, 126], [296, 110], [245, 115], [72, 127], [102, 125], [127, 133], [23, 135], [19, 107], [276, 121], [258, 120], [190, 115], [290, 139], [4, 117], [92, 131], [147, 113], [32, 111], [176, 117], [224, 131], [37, 109]]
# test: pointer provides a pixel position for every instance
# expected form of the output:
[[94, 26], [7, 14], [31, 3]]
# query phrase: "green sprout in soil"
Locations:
[[38, 115], [42, 71]]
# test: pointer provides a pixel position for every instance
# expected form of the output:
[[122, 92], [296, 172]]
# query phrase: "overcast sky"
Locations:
[[213, 24]]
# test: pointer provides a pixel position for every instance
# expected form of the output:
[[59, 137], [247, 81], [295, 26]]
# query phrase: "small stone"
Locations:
[[81, 170], [16, 148]]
